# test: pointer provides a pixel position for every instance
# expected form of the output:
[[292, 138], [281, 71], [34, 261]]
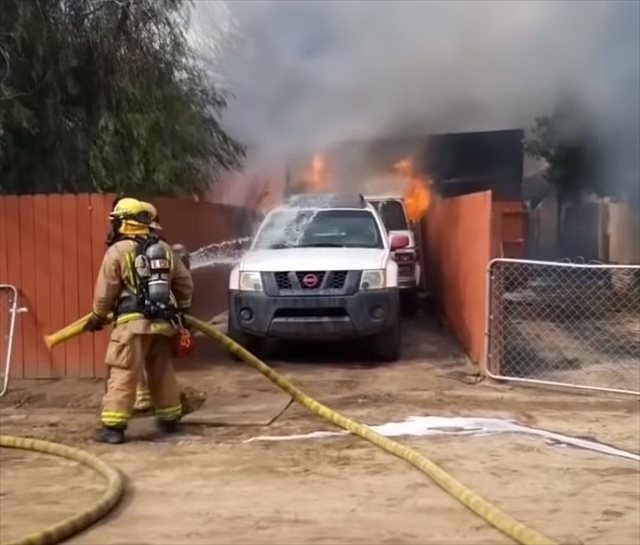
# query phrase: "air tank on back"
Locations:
[[160, 269]]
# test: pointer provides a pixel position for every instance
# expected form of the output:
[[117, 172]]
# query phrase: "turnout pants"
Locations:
[[143, 396], [129, 357]]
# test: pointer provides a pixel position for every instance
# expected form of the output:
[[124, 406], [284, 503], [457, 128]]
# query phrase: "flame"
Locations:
[[417, 197], [318, 177]]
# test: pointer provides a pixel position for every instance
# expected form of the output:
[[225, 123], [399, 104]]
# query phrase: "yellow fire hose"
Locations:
[[72, 525], [481, 507], [491, 514]]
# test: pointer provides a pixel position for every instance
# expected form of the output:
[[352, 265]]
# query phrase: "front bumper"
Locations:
[[408, 269], [309, 317], [408, 275]]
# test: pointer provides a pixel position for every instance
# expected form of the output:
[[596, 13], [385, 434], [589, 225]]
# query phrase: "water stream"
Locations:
[[227, 252]]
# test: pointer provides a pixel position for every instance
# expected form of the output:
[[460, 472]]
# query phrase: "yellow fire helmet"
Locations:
[[153, 212], [133, 215], [127, 208]]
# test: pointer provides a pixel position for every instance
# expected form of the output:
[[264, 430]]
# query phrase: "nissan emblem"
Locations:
[[310, 281]]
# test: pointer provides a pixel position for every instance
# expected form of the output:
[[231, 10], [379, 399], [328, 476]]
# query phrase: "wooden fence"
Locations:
[[51, 247], [462, 234]]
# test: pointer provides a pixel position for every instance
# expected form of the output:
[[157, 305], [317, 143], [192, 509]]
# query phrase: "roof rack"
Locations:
[[326, 200]]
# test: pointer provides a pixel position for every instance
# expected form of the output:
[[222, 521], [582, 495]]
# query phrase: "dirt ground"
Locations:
[[206, 486]]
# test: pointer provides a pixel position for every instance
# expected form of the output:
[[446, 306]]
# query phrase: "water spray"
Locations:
[[227, 252]]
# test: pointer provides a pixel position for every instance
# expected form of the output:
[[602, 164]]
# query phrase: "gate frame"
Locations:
[[14, 310], [485, 368]]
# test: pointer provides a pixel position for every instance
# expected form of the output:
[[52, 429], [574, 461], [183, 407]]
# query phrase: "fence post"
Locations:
[[13, 312]]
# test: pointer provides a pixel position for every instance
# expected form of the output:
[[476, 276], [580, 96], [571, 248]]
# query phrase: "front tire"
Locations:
[[386, 345]]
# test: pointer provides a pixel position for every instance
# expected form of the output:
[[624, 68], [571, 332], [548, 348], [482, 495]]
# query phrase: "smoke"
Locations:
[[307, 76]]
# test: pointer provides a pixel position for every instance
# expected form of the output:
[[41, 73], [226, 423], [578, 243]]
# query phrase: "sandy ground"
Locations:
[[205, 486]]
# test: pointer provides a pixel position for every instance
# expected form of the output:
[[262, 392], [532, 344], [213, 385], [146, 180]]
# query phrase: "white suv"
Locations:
[[320, 267]]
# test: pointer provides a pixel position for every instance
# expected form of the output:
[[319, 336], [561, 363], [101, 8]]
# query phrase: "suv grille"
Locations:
[[337, 280], [312, 280], [282, 280]]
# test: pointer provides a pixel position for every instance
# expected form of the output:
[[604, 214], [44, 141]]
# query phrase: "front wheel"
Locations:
[[386, 345], [255, 345]]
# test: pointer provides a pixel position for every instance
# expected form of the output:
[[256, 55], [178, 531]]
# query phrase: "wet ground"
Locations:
[[207, 486]]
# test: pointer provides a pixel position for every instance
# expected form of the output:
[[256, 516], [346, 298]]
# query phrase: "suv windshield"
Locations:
[[392, 214], [319, 229]]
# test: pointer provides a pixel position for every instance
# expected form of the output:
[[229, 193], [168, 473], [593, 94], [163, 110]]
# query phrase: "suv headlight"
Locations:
[[405, 257], [372, 280], [250, 281]]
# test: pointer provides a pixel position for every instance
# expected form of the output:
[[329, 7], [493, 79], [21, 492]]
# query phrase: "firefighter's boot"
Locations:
[[112, 436], [168, 426]]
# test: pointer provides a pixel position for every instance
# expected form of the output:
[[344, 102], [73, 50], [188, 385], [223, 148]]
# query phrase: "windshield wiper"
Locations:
[[322, 245]]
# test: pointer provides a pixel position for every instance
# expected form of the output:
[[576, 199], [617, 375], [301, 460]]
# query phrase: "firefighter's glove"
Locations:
[[95, 323]]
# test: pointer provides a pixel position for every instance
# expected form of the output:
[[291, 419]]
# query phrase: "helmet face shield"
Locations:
[[144, 217], [154, 222]]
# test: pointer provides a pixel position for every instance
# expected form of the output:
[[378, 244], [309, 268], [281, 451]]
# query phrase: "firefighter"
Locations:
[[155, 221], [146, 289], [182, 253], [143, 395], [178, 249]]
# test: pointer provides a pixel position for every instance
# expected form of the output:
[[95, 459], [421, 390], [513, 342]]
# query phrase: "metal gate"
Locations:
[[9, 309], [564, 324]]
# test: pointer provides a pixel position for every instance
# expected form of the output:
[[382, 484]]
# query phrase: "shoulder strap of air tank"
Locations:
[[145, 242]]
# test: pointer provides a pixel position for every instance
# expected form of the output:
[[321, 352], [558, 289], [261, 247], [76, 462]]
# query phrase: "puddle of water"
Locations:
[[430, 426]]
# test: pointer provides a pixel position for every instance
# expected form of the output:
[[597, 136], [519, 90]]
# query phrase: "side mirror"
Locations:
[[398, 242]]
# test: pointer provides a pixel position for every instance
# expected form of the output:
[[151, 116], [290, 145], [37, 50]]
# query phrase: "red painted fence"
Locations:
[[462, 234], [51, 247]]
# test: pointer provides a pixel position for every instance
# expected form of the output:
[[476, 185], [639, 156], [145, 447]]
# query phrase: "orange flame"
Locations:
[[318, 177], [417, 197]]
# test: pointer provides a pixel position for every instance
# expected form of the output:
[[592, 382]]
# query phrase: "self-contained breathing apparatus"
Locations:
[[153, 297], [152, 265]]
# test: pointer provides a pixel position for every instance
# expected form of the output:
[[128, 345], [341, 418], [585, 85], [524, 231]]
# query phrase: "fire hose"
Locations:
[[74, 524], [491, 514]]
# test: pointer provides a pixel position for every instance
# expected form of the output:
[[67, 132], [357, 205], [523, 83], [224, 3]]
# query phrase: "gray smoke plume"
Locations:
[[309, 75]]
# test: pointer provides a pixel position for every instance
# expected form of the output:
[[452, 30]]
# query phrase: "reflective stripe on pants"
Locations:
[[169, 413], [114, 419]]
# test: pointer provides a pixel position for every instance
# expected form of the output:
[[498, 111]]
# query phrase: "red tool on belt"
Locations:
[[183, 343]]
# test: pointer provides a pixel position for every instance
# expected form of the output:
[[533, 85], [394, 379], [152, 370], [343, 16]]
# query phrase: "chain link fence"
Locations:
[[564, 324]]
